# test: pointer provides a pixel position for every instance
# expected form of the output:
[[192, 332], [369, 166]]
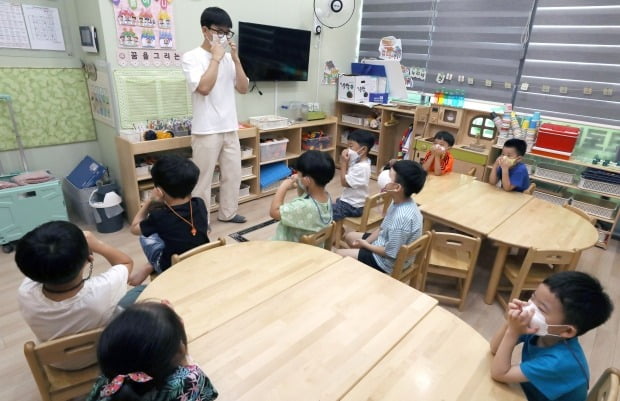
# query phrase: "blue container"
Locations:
[[87, 173]]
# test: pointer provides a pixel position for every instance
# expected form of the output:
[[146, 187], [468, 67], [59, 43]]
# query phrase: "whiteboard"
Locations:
[[12, 27], [44, 29]]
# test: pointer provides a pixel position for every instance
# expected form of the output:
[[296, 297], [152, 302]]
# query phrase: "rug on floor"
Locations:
[[258, 231]]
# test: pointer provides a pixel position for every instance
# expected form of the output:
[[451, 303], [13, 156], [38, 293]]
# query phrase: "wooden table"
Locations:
[[439, 185], [283, 321], [211, 288], [542, 225], [442, 358], [475, 208]]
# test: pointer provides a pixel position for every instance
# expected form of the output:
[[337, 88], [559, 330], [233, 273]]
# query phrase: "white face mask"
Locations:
[[538, 320], [353, 157], [221, 41], [383, 179], [301, 184]]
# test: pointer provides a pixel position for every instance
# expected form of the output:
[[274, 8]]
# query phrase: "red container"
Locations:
[[559, 138]]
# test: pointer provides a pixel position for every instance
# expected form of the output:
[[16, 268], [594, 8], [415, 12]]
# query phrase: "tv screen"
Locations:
[[272, 53]]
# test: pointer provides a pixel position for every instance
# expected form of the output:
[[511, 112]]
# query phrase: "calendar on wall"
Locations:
[[145, 34], [30, 27]]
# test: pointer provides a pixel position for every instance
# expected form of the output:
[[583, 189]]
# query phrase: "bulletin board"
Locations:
[[100, 92], [51, 107], [145, 94]]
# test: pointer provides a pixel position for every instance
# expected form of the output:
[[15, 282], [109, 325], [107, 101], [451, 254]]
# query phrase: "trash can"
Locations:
[[106, 205]]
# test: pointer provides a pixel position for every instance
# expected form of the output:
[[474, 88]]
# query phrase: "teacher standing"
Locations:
[[213, 75]]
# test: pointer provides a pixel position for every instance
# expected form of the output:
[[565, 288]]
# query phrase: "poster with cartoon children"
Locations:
[[145, 32]]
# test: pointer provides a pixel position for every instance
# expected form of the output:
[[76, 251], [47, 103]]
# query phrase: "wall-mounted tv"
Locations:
[[273, 53]]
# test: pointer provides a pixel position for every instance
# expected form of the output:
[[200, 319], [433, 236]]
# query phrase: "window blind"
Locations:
[[480, 40], [574, 47], [408, 20]]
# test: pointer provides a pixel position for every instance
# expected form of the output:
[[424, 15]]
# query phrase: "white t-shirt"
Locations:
[[92, 307], [216, 112], [357, 177]]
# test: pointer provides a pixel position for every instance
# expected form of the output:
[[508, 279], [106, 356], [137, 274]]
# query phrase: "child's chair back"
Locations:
[[407, 270], [580, 213], [195, 251], [61, 385], [607, 387], [322, 239], [530, 189]]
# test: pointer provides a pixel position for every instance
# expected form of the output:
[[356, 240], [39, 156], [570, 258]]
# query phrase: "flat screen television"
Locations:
[[273, 53]]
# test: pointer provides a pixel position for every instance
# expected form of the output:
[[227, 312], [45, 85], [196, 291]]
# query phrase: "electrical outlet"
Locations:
[[470, 80], [587, 91], [488, 82], [507, 85], [564, 90], [525, 86], [546, 88]]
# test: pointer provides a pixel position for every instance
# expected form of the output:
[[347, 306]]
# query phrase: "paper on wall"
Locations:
[[390, 48]]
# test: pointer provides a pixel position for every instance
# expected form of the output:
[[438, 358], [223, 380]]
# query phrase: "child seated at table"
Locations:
[[508, 168], [354, 175], [438, 160], [143, 356], [171, 221], [311, 211], [553, 365], [402, 223], [55, 298]]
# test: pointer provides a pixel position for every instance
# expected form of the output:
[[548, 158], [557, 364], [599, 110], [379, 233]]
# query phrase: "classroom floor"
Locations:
[[602, 345]]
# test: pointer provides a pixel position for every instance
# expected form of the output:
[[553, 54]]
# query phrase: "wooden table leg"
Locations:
[[496, 273], [427, 225], [573, 264]]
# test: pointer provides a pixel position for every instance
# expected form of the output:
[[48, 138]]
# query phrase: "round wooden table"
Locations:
[[287, 321]]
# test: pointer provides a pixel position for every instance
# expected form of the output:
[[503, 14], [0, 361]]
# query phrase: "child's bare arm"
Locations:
[[429, 161], [344, 167], [497, 338], [111, 254], [278, 198], [141, 215]]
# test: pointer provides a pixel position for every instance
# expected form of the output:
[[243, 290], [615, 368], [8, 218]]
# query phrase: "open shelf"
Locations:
[[359, 127], [289, 155]]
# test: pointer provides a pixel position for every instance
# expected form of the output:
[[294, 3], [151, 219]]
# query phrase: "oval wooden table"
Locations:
[[285, 321], [543, 225]]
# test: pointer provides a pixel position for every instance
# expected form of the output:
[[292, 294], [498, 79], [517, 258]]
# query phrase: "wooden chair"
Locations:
[[537, 266], [369, 219], [322, 239], [581, 213], [530, 189], [607, 387], [452, 255], [174, 259], [417, 249], [471, 171], [60, 385]]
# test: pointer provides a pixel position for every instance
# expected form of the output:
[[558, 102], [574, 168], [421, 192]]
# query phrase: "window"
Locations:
[[482, 127], [573, 61]]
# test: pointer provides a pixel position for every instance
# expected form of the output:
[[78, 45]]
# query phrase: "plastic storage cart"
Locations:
[[26, 207]]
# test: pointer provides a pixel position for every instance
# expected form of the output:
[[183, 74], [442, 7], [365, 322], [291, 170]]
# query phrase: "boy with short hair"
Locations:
[[402, 223], [509, 169], [178, 224], [354, 175], [438, 160], [553, 365], [312, 210], [55, 298]]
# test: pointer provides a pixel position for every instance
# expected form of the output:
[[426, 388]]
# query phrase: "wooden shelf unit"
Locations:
[[132, 184], [572, 188]]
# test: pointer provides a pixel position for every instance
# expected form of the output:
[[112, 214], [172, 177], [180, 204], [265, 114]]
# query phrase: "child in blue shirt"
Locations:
[[553, 365], [508, 167]]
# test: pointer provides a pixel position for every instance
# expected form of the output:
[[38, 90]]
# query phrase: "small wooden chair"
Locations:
[[530, 189], [174, 259], [61, 385], [419, 250], [452, 255], [369, 219], [536, 267], [471, 172], [322, 239], [607, 387], [580, 212]]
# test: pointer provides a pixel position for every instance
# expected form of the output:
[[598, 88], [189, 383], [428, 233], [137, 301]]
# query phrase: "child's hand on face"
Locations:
[[506, 162], [291, 181], [344, 156], [519, 319]]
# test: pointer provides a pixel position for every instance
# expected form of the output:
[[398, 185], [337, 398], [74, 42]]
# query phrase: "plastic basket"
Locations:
[[596, 207], [273, 150], [246, 170], [555, 173], [599, 186], [269, 122], [530, 168], [244, 190], [557, 198], [246, 152], [316, 143]]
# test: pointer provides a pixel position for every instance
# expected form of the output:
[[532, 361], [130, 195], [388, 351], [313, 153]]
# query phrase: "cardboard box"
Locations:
[[356, 88]]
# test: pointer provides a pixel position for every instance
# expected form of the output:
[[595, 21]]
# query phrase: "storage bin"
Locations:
[[557, 137], [246, 170], [77, 201], [244, 190], [606, 182], [316, 143], [269, 122], [273, 150], [214, 196], [273, 172], [246, 152], [355, 119], [555, 173], [555, 197], [596, 207], [130, 136], [26, 207], [216, 177], [143, 171]]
